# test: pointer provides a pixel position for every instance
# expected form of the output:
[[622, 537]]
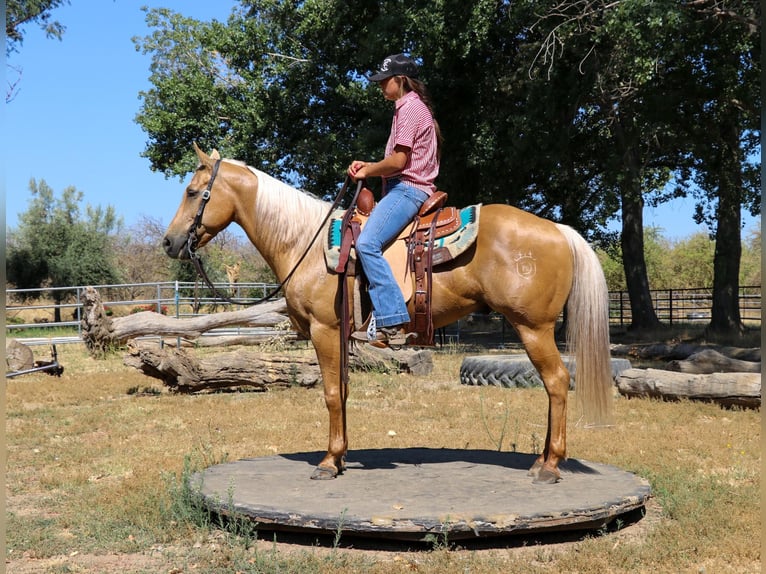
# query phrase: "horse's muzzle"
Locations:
[[175, 247]]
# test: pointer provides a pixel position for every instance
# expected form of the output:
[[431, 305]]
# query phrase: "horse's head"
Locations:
[[207, 207]]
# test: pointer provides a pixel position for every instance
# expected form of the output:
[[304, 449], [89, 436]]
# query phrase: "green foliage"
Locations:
[[750, 268], [656, 252], [572, 110], [21, 12], [55, 246], [611, 264], [690, 262], [281, 86], [682, 264]]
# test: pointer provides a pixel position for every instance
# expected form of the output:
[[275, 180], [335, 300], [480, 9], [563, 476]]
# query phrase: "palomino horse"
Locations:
[[522, 266]]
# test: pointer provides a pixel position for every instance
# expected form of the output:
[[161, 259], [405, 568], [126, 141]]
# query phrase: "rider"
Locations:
[[408, 170]]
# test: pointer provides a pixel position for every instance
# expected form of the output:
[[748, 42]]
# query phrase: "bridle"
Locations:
[[192, 241]]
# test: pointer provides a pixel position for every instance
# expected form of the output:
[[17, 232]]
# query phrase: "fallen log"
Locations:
[[710, 361], [728, 389], [681, 351], [101, 333], [182, 372]]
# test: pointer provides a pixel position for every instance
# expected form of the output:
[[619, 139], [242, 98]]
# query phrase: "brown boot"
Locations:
[[385, 337]]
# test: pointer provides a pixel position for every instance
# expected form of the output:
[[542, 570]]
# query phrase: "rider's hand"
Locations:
[[355, 168]]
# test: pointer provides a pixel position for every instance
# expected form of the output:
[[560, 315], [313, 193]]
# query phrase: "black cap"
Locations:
[[397, 65]]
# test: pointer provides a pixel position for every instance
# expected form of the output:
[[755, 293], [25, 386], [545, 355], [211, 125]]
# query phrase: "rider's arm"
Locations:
[[391, 164]]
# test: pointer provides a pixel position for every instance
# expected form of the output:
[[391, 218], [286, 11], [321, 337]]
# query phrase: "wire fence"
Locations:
[[34, 312]]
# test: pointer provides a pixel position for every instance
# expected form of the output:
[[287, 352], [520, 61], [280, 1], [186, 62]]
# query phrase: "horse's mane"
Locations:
[[299, 207]]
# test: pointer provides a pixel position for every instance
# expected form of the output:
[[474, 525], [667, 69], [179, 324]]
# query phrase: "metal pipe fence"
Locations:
[[684, 306], [28, 309]]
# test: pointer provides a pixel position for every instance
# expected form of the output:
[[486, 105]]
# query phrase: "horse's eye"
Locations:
[[192, 193]]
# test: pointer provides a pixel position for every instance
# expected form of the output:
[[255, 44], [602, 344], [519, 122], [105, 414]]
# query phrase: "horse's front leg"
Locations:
[[326, 341]]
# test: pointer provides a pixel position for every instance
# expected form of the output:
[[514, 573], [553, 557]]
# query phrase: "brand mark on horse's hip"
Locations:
[[526, 266]]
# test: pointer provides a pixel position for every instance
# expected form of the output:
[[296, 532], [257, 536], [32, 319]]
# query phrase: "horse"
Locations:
[[522, 266]]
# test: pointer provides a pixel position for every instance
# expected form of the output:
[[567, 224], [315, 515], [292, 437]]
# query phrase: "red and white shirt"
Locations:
[[413, 127]]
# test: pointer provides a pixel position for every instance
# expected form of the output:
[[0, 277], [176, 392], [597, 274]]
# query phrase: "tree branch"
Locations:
[[569, 12], [713, 9]]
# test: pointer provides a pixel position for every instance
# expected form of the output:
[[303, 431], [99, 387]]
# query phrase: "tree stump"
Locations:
[[18, 357], [728, 389], [368, 358], [682, 351]]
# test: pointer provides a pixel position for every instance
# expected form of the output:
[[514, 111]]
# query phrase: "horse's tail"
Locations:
[[588, 331]]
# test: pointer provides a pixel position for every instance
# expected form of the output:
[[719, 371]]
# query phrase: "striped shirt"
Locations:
[[413, 127]]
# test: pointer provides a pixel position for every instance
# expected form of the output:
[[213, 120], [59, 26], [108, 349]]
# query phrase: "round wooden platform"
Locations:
[[407, 494]]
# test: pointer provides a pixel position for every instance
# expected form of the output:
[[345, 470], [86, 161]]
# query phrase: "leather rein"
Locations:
[[192, 240]]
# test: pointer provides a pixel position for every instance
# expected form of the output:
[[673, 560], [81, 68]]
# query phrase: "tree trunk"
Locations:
[[725, 316], [101, 333], [184, 373], [58, 300], [634, 264], [710, 361], [632, 238]]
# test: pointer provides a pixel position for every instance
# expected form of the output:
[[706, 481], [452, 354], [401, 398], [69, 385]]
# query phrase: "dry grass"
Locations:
[[94, 471]]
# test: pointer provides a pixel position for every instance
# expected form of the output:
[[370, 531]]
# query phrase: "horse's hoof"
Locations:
[[534, 470], [324, 473], [546, 476]]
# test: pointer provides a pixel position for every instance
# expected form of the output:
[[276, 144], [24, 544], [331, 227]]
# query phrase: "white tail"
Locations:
[[588, 331]]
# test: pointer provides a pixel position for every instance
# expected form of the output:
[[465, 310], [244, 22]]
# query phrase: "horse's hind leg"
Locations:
[[544, 355]]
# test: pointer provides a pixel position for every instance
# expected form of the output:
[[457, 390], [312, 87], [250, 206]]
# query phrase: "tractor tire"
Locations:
[[516, 371]]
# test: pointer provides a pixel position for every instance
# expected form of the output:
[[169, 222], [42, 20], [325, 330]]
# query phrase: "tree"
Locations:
[[18, 13], [278, 101], [281, 86], [724, 109], [660, 100], [690, 262], [142, 259], [55, 246]]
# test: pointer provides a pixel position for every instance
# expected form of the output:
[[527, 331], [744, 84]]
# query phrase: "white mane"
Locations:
[[298, 213]]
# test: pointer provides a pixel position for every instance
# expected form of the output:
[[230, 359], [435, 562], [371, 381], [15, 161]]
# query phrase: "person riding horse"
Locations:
[[408, 170]]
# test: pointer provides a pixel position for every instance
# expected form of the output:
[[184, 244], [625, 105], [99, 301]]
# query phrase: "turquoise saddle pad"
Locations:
[[445, 248]]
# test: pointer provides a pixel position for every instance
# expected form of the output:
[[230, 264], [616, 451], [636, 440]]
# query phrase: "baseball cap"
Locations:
[[396, 65]]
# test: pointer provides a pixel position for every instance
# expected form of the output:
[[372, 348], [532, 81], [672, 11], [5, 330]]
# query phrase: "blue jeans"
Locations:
[[392, 214]]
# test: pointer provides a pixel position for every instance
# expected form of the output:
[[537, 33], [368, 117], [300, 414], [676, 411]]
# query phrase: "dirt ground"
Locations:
[[161, 558], [109, 384]]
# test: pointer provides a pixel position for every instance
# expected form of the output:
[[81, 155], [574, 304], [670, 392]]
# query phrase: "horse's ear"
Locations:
[[203, 157], [215, 154]]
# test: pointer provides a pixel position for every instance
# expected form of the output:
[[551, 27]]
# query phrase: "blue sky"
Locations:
[[72, 120]]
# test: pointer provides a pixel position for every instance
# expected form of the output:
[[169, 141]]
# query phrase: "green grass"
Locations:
[[40, 332]]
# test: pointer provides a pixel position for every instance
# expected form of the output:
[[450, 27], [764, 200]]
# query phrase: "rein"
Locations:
[[191, 242]]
